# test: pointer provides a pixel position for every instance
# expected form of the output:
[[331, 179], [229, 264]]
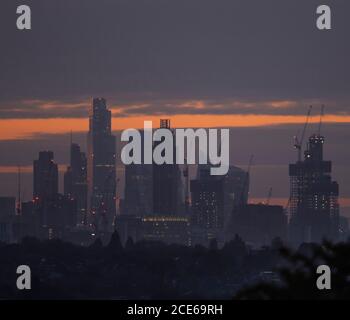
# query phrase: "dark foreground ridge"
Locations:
[[153, 270]]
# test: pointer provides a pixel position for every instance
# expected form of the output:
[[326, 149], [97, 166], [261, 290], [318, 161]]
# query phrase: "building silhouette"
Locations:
[[213, 200], [75, 182], [259, 224], [101, 168], [53, 213], [236, 190], [138, 200], [167, 184], [138, 190], [314, 207], [207, 215], [45, 176], [7, 217], [7, 206], [153, 202]]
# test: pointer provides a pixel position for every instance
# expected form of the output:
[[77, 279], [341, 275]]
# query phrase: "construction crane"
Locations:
[[320, 123], [299, 143]]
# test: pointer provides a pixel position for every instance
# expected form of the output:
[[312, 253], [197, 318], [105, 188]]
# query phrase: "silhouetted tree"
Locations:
[[115, 244], [276, 243], [129, 243], [298, 278], [97, 244]]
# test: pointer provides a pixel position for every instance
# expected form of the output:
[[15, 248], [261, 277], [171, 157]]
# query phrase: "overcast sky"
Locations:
[[165, 50]]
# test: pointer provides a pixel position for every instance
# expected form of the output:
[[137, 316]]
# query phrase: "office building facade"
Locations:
[[101, 168]]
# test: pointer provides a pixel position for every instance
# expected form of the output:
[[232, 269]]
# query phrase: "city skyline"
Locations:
[[169, 155], [256, 194], [181, 208], [253, 71]]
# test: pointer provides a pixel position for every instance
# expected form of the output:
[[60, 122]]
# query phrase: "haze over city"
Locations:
[[255, 71], [174, 156]]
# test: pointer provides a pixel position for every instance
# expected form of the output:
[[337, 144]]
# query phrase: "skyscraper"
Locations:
[[138, 187], [45, 176], [213, 201], [207, 218], [7, 206], [75, 182], [52, 212], [167, 184], [101, 168], [259, 224], [236, 189], [314, 205], [138, 190]]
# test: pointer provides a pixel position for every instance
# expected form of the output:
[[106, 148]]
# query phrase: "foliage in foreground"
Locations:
[[298, 276]]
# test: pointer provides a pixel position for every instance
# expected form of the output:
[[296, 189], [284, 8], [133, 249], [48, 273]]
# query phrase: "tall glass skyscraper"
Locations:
[[101, 168], [167, 188], [138, 194], [75, 181]]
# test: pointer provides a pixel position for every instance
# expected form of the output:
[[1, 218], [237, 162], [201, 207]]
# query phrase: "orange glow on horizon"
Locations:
[[11, 129]]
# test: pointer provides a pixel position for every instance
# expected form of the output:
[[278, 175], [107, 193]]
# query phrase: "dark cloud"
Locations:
[[151, 50], [38, 109], [226, 106]]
